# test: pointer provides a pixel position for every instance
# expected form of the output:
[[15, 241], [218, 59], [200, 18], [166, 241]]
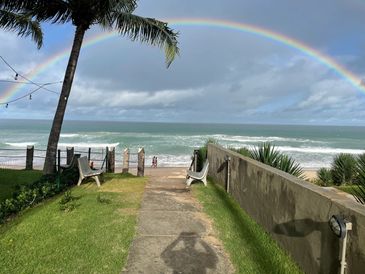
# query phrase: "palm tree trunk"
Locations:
[[54, 136]]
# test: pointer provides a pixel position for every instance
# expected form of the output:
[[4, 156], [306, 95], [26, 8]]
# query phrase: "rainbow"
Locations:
[[327, 61]]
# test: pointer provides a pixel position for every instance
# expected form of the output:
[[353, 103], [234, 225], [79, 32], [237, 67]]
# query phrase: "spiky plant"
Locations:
[[343, 169], [289, 165], [359, 189], [266, 153], [324, 176]]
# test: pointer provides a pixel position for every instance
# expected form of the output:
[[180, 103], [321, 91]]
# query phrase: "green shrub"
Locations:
[[102, 200], [324, 176], [343, 169], [202, 152], [67, 202], [243, 151], [26, 196]]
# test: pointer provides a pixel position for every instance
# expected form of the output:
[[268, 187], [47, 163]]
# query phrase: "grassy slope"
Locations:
[[93, 238], [9, 178], [347, 188], [250, 248]]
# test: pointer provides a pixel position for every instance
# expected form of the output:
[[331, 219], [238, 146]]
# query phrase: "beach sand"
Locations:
[[310, 174]]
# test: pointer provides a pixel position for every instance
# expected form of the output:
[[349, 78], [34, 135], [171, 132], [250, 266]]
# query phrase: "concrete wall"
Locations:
[[293, 211]]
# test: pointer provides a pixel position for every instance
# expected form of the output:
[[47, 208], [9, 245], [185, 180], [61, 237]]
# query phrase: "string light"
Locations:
[[16, 77], [17, 74]]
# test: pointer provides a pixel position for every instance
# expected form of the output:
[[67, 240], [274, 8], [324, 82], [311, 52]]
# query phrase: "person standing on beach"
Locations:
[[154, 161]]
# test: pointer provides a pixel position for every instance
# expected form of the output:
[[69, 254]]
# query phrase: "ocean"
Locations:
[[173, 143]]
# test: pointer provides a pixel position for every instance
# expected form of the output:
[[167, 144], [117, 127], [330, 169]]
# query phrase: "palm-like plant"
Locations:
[[324, 176], [109, 14], [266, 153], [343, 169], [288, 165], [22, 24], [359, 190], [269, 155]]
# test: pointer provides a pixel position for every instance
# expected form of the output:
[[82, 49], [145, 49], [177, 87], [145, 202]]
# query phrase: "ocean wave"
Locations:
[[21, 144], [320, 150], [166, 160], [69, 135], [258, 139]]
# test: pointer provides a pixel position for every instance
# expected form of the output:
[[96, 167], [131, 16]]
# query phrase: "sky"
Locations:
[[221, 75]]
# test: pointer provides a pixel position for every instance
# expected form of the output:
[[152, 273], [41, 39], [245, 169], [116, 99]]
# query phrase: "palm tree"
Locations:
[[22, 24], [110, 15]]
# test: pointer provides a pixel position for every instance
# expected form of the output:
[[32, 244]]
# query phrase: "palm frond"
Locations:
[[147, 30], [56, 11], [22, 24], [359, 189]]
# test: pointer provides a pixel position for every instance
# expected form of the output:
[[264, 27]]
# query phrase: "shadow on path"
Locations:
[[189, 254]]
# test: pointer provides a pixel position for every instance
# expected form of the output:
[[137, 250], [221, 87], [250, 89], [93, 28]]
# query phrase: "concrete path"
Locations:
[[173, 234]]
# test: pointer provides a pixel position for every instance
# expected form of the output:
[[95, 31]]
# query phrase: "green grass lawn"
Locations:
[[9, 178], [348, 188], [250, 248], [93, 238]]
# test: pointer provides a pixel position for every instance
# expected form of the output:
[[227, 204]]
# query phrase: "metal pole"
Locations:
[[228, 159], [344, 243], [59, 160]]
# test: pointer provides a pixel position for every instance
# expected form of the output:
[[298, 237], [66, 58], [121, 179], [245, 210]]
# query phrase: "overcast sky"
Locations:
[[221, 75]]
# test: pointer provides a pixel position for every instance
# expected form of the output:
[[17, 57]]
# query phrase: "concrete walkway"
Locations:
[[173, 234]]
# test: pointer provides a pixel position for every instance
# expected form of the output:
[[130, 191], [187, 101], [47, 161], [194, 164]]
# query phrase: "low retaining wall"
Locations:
[[293, 211]]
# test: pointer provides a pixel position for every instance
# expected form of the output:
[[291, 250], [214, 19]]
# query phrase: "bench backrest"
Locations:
[[74, 160], [204, 170], [83, 165]]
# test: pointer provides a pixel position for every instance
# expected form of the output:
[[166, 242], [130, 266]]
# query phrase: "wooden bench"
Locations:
[[200, 176], [86, 171]]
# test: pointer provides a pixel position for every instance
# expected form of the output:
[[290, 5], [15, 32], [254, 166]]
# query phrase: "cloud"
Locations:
[[222, 75], [92, 95]]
